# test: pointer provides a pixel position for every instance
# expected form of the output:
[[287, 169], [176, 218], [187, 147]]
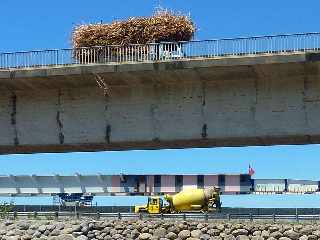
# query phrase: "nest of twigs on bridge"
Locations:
[[163, 26]]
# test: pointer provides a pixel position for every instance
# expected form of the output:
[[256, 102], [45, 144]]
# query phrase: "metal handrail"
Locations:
[[182, 216], [164, 51]]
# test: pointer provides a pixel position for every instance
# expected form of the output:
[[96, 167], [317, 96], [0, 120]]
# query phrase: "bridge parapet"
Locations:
[[164, 51]]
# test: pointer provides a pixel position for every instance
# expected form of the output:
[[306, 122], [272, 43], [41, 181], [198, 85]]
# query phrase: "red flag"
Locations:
[[251, 171]]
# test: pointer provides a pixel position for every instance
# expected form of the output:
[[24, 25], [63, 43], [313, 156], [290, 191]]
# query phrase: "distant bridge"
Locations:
[[225, 92], [121, 185]]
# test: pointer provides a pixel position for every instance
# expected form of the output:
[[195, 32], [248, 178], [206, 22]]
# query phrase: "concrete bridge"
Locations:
[[242, 100], [122, 185]]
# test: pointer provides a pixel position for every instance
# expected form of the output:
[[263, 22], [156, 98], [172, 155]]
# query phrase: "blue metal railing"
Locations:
[[164, 51]]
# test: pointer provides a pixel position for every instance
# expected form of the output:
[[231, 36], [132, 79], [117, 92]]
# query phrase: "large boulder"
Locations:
[[160, 232], [291, 234], [145, 236], [196, 233], [171, 235], [184, 234], [240, 231]]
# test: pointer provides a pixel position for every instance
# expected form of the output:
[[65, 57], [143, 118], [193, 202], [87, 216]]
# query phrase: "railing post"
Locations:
[[56, 214], [297, 216], [57, 52], [228, 216], [161, 216], [206, 217], [251, 217], [274, 217], [15, 215], [35, 214], [184, 217], [119, 216], [98, 215]]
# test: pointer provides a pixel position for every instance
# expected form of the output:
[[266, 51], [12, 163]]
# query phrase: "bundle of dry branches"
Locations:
[[162, 26]]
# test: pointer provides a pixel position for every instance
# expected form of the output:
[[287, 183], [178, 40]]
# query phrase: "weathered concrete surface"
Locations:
[[235, 101]]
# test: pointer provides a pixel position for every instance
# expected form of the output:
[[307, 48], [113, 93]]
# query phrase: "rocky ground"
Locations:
[[147, 229]]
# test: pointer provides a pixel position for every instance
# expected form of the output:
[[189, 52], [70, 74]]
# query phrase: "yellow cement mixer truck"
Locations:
[[190, 200]]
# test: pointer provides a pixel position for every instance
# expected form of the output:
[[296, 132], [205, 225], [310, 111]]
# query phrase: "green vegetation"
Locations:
[[5, 209]]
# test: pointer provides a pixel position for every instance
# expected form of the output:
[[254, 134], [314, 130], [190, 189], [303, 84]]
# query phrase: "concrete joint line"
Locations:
[[14, 117], [204, 133], [108, 134], [58, 119]]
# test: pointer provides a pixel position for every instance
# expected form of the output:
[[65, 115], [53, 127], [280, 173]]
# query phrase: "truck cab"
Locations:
[[154, 206]]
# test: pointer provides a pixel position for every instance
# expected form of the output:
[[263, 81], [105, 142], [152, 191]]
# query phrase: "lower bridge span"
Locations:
[[121, 185]]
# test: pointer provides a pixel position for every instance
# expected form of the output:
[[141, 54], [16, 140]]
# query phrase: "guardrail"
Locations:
[[165, 51], [182, 216]]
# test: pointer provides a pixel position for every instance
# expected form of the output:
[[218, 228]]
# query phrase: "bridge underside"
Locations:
[[238, 101]]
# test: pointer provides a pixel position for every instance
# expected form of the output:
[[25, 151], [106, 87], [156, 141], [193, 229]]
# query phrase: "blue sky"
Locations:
[[35, 24]]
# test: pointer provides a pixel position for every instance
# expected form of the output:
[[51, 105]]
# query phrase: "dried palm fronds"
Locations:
[[162, 26]]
